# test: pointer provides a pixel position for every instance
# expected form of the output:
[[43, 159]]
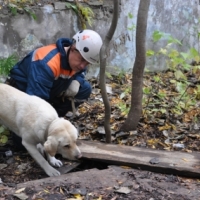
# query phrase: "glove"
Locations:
[[73, 89]]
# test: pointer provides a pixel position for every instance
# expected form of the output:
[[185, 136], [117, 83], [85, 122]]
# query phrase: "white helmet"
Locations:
[[88, 43]]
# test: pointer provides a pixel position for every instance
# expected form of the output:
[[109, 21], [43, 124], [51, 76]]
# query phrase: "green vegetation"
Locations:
[[84, 13], [5, 65], [20, 6], [133, 26], [173, 93], [3, 135]]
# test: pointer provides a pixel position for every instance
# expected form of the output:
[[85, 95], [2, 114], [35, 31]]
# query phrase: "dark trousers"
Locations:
[[17, 142], [63, 105]]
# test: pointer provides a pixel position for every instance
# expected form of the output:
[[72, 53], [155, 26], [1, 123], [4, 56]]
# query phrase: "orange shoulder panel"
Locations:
[[41, 52], [55, 65]]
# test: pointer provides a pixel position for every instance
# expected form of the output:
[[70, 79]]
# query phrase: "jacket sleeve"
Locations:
[[39, 80]]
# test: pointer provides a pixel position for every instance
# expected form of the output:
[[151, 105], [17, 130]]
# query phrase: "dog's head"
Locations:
[[62, 136]]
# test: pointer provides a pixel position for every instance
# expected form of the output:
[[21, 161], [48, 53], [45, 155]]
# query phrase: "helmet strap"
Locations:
[[67, 55]]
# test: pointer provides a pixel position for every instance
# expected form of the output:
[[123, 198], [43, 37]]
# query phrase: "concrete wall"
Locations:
[[20, 34]]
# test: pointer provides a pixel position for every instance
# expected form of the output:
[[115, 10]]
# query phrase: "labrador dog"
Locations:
[[38, 124]]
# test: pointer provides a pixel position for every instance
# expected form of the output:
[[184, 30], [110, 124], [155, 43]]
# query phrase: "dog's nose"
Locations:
[[79, 156]]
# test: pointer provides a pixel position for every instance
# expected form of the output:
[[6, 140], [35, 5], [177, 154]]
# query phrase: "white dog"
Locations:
[[36, 122]]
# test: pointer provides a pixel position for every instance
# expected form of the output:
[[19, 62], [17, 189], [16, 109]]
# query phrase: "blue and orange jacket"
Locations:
[[45, 72]]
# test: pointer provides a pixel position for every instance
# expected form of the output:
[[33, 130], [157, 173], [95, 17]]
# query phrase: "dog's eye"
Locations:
[[67, 146]]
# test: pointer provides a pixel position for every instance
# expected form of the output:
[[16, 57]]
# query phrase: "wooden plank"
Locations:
[[67, 168], [170, 162]]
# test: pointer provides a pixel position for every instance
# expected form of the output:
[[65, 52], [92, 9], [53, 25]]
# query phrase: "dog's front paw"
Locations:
[[55, 162], [52, 172]]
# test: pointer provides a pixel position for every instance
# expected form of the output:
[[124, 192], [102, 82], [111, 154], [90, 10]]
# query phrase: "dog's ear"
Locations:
[[50, 146]]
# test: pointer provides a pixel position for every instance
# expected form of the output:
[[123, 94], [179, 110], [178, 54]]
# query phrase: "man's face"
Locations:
[[76, 61]]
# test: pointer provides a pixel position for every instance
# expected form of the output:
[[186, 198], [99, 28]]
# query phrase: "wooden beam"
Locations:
[[67, 168], [169, 162]]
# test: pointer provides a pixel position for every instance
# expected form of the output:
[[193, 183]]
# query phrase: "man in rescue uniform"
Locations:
[[56, 72]]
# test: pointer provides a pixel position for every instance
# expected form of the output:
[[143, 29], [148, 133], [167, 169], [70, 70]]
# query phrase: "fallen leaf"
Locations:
[[61, 191], [21, 196], [78, 196], [19, 190], [46, 191], [123, 190], [125, 167]]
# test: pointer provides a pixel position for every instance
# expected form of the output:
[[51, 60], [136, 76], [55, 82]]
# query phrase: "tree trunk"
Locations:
[[103, 55], [138, 68]]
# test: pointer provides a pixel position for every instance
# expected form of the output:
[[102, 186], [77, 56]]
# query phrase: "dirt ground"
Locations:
[[109, 183]]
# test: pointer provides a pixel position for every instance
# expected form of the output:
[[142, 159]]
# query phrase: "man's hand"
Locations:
[[73, 89]]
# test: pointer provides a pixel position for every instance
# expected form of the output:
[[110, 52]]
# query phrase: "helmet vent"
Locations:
[[85, 49]]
